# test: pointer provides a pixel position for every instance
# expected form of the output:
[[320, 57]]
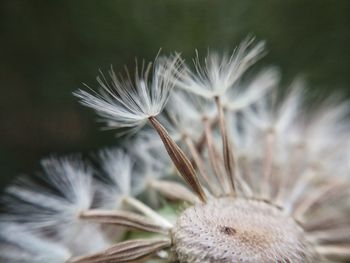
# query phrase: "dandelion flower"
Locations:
[[265, 178]]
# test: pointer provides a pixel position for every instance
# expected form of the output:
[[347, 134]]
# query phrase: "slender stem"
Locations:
[[146, 210], [267, 163], [214, 157], [202, 139], [227, 146], [200, 165]]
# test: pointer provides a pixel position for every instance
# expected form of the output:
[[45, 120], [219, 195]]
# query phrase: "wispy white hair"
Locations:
[[70, 180], [116, 178], [18, 245], [123, 103], [55, 210], [184, 114], [219, 73], [150, 155], [246, 93]]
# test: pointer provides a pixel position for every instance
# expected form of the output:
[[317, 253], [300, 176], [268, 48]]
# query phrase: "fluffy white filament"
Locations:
[[72, 191], [24, 246], [116, 179], [56, 210], [124, 103], [219, 73]]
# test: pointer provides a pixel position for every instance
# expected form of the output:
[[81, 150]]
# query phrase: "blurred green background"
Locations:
[[48, 48]]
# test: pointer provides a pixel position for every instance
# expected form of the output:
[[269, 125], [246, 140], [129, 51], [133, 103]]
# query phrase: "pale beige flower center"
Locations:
[[238, 230]]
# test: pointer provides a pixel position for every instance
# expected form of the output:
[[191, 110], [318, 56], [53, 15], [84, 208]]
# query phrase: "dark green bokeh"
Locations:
[[48, 48]]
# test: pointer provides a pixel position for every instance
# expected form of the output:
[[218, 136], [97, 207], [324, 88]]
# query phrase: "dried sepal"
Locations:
[[316, 196], [334, 251], [179, 159], [127, 251], [173, 190], [123, 218]]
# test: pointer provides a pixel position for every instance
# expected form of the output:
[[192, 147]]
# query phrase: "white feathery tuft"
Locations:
[[71, 192], [278, 114], [150, 155], [152, 160], [19, 245], [82, 242], [123, 103], [56, 211], [246, 93], [116, 180], [219, 73], [327, 137]]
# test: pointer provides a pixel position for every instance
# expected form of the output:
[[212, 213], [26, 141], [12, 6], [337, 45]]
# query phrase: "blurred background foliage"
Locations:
[[48, 48]]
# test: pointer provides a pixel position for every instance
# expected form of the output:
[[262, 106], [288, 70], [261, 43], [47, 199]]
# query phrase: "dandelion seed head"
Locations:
[[230, 169]]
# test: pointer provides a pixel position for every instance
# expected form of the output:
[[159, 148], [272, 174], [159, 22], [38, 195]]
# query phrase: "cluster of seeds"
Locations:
[[254, 175]]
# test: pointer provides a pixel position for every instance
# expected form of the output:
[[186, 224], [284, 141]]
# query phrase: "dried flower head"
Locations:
[[265, 178]]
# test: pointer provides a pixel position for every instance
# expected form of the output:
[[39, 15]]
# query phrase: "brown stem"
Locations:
[[227, 146], [214, 157], [267, 163], [200, 165], [202, 139]]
